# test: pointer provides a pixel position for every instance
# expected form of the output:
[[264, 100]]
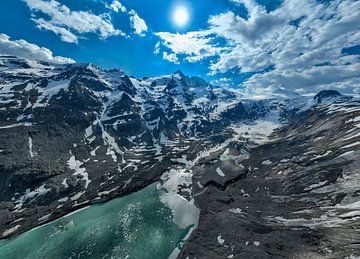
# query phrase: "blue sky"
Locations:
[[134, 54], [297, 45]]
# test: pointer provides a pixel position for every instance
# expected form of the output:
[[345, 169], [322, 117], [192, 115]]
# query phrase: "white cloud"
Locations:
[[223, 82], [138, 23], [196, 45], [70, 24], [297, 46], [116, 6], [64, 34], [157, 48], [171, 57], [24, 49]]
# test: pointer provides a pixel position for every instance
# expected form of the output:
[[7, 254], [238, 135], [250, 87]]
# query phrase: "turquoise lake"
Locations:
[[134, 226]]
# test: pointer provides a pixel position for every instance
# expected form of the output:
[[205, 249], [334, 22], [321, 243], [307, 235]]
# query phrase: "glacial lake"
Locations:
[[137, 226]]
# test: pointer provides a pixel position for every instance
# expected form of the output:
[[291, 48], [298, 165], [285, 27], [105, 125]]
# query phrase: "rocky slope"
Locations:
[[75, 135], [299, 196]]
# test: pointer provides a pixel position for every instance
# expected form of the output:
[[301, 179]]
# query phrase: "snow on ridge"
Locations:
[[109, 140], [53, 88]]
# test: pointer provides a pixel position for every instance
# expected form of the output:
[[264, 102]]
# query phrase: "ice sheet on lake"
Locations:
[[185, 212]]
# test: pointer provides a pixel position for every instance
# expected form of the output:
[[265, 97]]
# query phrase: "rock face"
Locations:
[[275, 177]]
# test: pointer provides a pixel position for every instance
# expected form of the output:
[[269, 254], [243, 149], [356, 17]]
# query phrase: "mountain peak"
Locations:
[[326, 94], [180, 74]]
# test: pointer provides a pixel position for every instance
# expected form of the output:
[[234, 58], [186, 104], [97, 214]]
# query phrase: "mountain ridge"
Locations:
[[74, 135]]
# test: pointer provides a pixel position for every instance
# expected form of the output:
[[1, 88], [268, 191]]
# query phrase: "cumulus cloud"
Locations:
[[171, 57], [24, 49], [224, 82], [116, 6], [196, 45], [157, 48], [64, 34], [70, 24], [138, 23], [297, 46]]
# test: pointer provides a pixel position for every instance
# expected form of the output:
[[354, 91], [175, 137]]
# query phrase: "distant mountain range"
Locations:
[[273, 176]]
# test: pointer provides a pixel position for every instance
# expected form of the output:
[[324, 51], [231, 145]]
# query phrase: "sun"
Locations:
[[181, 16]]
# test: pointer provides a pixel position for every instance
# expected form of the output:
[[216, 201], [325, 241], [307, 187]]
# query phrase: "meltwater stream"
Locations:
[[138, 225]]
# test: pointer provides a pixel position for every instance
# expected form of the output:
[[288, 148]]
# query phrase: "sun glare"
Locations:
[[180, 16]]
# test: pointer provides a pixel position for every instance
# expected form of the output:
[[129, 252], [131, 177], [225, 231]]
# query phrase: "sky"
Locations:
[[260, 45]]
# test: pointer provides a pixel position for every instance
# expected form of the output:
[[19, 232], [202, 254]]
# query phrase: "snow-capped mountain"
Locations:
[[73, 135], [87, 134]]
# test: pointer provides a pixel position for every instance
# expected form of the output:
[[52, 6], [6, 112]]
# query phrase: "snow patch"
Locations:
[[236, 210], [65, 199], [321, 156], [44, 218], [31, 195], [258, 131], [88, 132], [220, 240], [31, 152], [10, 231], [76, 165], [93, 152], [357, 143], [317, 185], [65, 184], [25, 124], [266, 162], [52, 88], [77, 196], [220, 172]]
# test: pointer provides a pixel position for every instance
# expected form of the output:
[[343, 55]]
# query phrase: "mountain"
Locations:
[[272, 176], [329, 95], [299, 194]]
